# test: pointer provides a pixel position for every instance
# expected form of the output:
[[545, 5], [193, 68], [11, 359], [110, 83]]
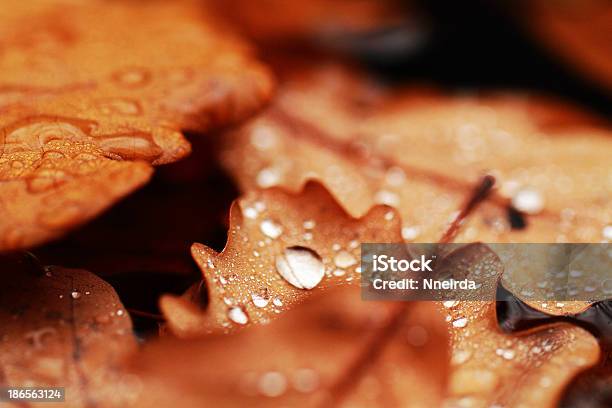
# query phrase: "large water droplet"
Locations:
[[301, 267]]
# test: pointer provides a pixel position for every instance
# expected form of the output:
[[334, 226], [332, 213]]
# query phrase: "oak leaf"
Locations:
[[64, 328], [82, 88]]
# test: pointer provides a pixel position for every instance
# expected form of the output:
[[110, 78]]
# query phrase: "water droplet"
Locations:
[[250, 212], [263, 137], [344, 259], [528, 200], [607, 232], [410, 233], [75, 294], [450, 303], [272, 384], [387, 197], [301, 267], [461, 356], [460, 323], [575, 273], [339, 272], [120, 312], [560, 305], [389, 215], [309, 224], [417, 336], [268, 177], [132, 77], [277, 302], [237, 315], [270, 229], [395, 176], [506, 354], [260, 299], [305, 380]]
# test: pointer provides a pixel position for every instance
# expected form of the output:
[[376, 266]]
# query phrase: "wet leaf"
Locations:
[[556, 278], [491, 368], [79, 97], [63, 328], [280, 247], [420, 151], [311, 356]]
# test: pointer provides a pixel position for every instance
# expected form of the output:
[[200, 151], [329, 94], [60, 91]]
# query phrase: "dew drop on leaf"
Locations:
[[272, 384], [260, 299], [460, 323], [344, 259], [270, 228], [528, 200], [305, 380], [237, 315], [301, 267]]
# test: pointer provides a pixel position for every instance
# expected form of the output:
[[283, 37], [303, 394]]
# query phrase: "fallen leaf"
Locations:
[[420, 151], [280, 245], [311, 356], [63, 328], [78, 97], [525, 369]]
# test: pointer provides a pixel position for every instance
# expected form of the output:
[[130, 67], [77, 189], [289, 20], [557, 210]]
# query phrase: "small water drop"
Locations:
[[344, 259], [75, 294], [305, 380], [260, 299], [461, 356], [460, 323], [528, 200], [449, 304], [575, 273], [272, 384], [301, 267], [268, 177], [277, 302], [607, 232], [309, 224], [270, 228], [410, 233], [387, 197], [237, 315], [250, 212]]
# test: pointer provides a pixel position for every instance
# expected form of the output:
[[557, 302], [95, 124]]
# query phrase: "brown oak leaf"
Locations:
[[280, 245], [63, 328], [82, 89]]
